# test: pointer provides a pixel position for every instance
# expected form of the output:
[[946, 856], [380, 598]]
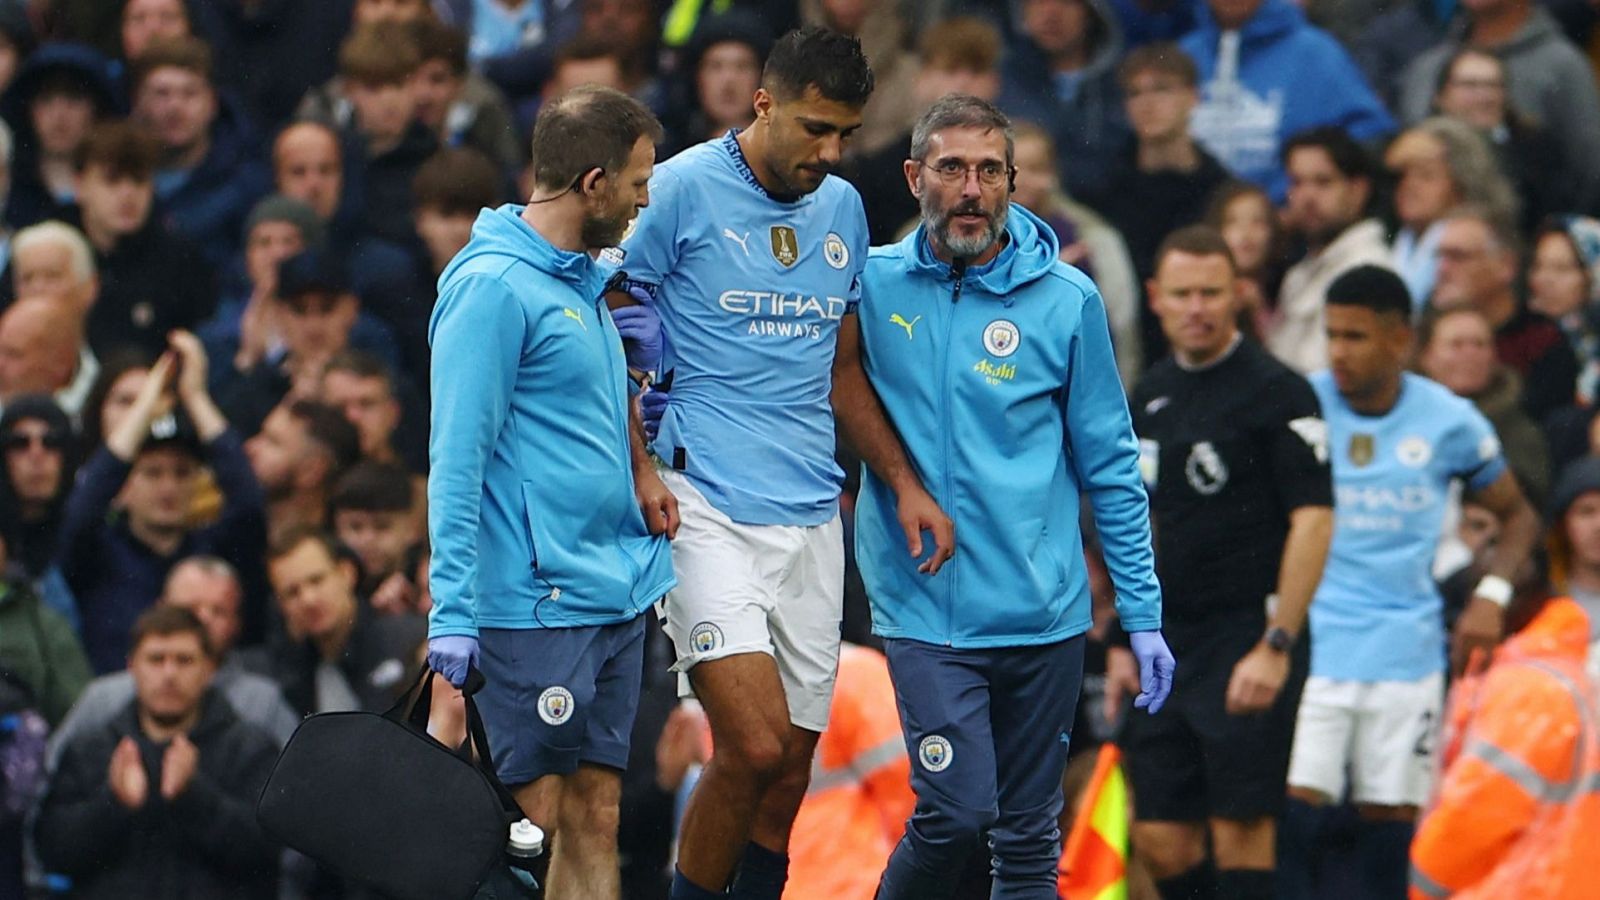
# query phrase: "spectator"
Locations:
[[112, 395], [42, 352], [1390, 40], [1162, 179], [57, 97], [160, 802], [1564, 284], [511, 41], [722, 69], [1545, 76], [1439, 164], [41, 460], [308, 161], [372, 512], [1062, 74], [583, 61], [958, 55], [209, 175], [1523, 743], [1086, 240], [117, 564], [449, 191], [337, 656], [1274, 76], [54, 260], [245, 329], [209, 588], [1456, 349], [316, 310], [270, 54], [301, 450], [1330, 187], [1472, 89], [1478, 263], [459, 106], [633, 31], [386, 413], [882, 28], [150, 281], [146, 21], [39, 646], [1574, 543], [377, 66], [16, 42], [1243, 214], [7, 154]]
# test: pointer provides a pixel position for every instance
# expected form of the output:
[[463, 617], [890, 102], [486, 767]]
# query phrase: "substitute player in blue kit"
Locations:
[[1369, 716], [993, 360], [750, 252]]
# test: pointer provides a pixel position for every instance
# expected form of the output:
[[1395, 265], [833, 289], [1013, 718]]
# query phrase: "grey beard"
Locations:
[[961, 245]]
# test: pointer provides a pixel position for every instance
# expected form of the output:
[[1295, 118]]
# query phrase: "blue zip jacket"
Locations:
[[1004, 390], [1292, 76], [531, 507]]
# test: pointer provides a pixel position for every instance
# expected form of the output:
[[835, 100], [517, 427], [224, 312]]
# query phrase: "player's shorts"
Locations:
[[1194, 761], [1378, 738], [556, 697], [773, 589]]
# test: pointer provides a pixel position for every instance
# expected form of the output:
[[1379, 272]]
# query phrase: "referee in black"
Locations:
[[1234, 451]]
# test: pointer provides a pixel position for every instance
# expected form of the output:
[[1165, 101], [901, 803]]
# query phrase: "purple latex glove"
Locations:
[[452, 655], [652, 404], [1156, 666], [640, 328]]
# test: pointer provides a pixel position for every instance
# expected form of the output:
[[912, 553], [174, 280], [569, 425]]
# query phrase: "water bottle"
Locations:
[[524, 846]]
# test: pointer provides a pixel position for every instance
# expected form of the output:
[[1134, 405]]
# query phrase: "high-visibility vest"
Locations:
[[682, 17], [1517, 814], [860, 795], [1094, 865]]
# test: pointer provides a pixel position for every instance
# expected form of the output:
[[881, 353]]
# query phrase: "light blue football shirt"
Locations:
[[750, 290], [1378, 615]]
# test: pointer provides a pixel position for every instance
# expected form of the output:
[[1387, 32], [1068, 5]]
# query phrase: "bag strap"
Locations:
[[416, 717]]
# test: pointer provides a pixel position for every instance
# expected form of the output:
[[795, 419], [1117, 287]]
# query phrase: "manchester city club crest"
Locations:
[[835, 252], [705, 637], [785, 245], [556, 705], [1001, 338], [1362, 448], [935, 753]]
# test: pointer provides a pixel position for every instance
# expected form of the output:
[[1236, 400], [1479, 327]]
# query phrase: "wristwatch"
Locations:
[[1278, 640]]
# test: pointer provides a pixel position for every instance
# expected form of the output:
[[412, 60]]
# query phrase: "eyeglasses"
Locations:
[[17, 441], [954, 172]]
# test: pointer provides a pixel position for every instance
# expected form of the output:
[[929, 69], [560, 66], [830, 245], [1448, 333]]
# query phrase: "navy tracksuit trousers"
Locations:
[[987, 732]]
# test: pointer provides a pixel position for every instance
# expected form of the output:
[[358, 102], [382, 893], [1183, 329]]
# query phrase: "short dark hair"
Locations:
[[1163, 59], [121, 149], [188, 53], [816, 57], [361, 364], [1195, 240], [961, 111], [1371, 287], [1348, 156], [586, 128], [372, 486], [456, 181], [379, 53], [163, 620], [331, 431], [436, 40], [961, 44], [291, 540]]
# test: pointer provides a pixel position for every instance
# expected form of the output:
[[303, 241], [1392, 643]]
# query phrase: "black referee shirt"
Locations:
[[1228, 452]]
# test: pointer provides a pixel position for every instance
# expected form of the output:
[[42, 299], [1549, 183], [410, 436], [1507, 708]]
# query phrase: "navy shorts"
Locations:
[[557, 697]]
